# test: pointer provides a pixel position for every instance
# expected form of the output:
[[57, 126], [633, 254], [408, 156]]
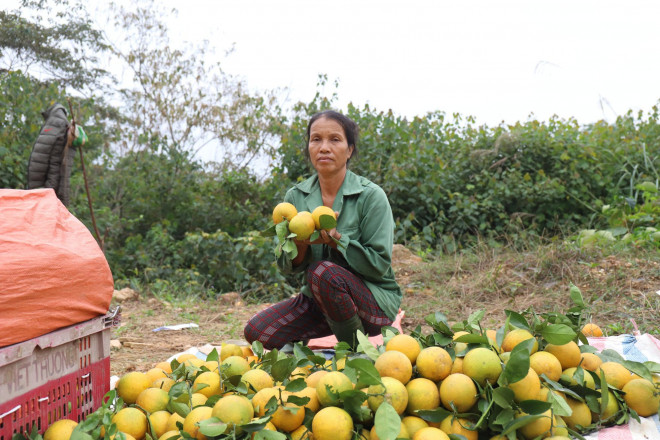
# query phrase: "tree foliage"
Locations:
[[185, 100], [52, 40]]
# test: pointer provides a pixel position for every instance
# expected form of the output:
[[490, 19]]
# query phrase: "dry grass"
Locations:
[[619, 286]]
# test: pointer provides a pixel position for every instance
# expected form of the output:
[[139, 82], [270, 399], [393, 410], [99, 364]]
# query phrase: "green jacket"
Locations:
[[366, 226]]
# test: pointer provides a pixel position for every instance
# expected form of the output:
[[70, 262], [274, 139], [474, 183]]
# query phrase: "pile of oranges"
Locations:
[[404, 389]]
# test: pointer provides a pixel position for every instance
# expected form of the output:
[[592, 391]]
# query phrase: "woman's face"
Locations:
[[328, 149]]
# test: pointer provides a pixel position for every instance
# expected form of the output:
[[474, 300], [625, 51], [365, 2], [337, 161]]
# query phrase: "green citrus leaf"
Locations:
[[315, 235], [212, 427], [472, 339], [503, 397], [366, 347], [267, 434], [282, 230], [387, 422], [290, 248], [436, 415], [517, 320], [353, 400], [518, 365], [327, 221], [256, 424], [269, 232], [534, 406], [576, 295], [366, 373], [296, 385], [78, 434], [558, 334], [519, 423], [283, 368]]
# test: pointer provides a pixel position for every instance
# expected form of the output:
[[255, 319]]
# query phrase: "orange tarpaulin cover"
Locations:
[[52, 272]]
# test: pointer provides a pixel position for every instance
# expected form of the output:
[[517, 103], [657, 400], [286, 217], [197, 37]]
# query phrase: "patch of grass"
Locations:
[[619, 284]]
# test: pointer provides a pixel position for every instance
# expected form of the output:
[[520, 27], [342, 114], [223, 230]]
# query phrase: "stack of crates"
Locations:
[[62, 374]]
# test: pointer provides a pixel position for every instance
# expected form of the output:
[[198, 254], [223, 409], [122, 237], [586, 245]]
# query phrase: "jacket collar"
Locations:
[[352, 185], [50, 110]]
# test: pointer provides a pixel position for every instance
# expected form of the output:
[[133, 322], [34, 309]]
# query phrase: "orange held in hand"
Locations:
[[283, 211]]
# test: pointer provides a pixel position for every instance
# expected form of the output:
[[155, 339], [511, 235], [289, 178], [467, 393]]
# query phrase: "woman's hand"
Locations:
[[329, 237], [325, 237]]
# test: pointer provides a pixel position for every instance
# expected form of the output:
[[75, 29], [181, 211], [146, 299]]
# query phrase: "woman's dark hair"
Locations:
[[350, 129]]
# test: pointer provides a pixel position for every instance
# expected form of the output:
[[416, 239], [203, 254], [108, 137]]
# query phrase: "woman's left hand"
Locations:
[[325, 237]]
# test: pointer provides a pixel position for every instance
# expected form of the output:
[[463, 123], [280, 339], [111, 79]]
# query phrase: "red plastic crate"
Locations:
[[62, 374]]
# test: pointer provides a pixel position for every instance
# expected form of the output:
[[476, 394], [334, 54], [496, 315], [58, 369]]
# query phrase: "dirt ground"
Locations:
[[135, 345]]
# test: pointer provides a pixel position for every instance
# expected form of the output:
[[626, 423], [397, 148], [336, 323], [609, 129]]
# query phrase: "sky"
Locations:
[[499, 61]]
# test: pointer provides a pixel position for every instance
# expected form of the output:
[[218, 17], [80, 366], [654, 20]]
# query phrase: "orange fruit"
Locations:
[[313, 379], [234, 410], [460, 390], [164, 383], [289, 416], [283, 211], [261, 398], [131, 421], [528, 388], [482, 365], [332, 423], [537, 427], [171, 435], [610, 410], [184, 357], [159, 421], [391, 391], [434, 363], [422, 394], [546, 363], [616, 374], [234, 366], [590, 361], [207, 383], [165, 366], [301, 433], [403, 432], [515, 337], [196, 415], [591, 330], [60, 430], [330, 385], [257, 379], [406, 344], [155, 373], [130, 385], [153, 399], [457, 366], [227, 350], [642, 396], [459, 347], [430, 433], [451, 425], [171, 423], [310, 392], [197, 399], [302, 224], [569, 374], [413, 424], [581, 414], [394, 364], [568, 354], [318, 212]]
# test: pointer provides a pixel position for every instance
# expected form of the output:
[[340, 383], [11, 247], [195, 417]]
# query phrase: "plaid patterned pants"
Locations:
[[337, 294]]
